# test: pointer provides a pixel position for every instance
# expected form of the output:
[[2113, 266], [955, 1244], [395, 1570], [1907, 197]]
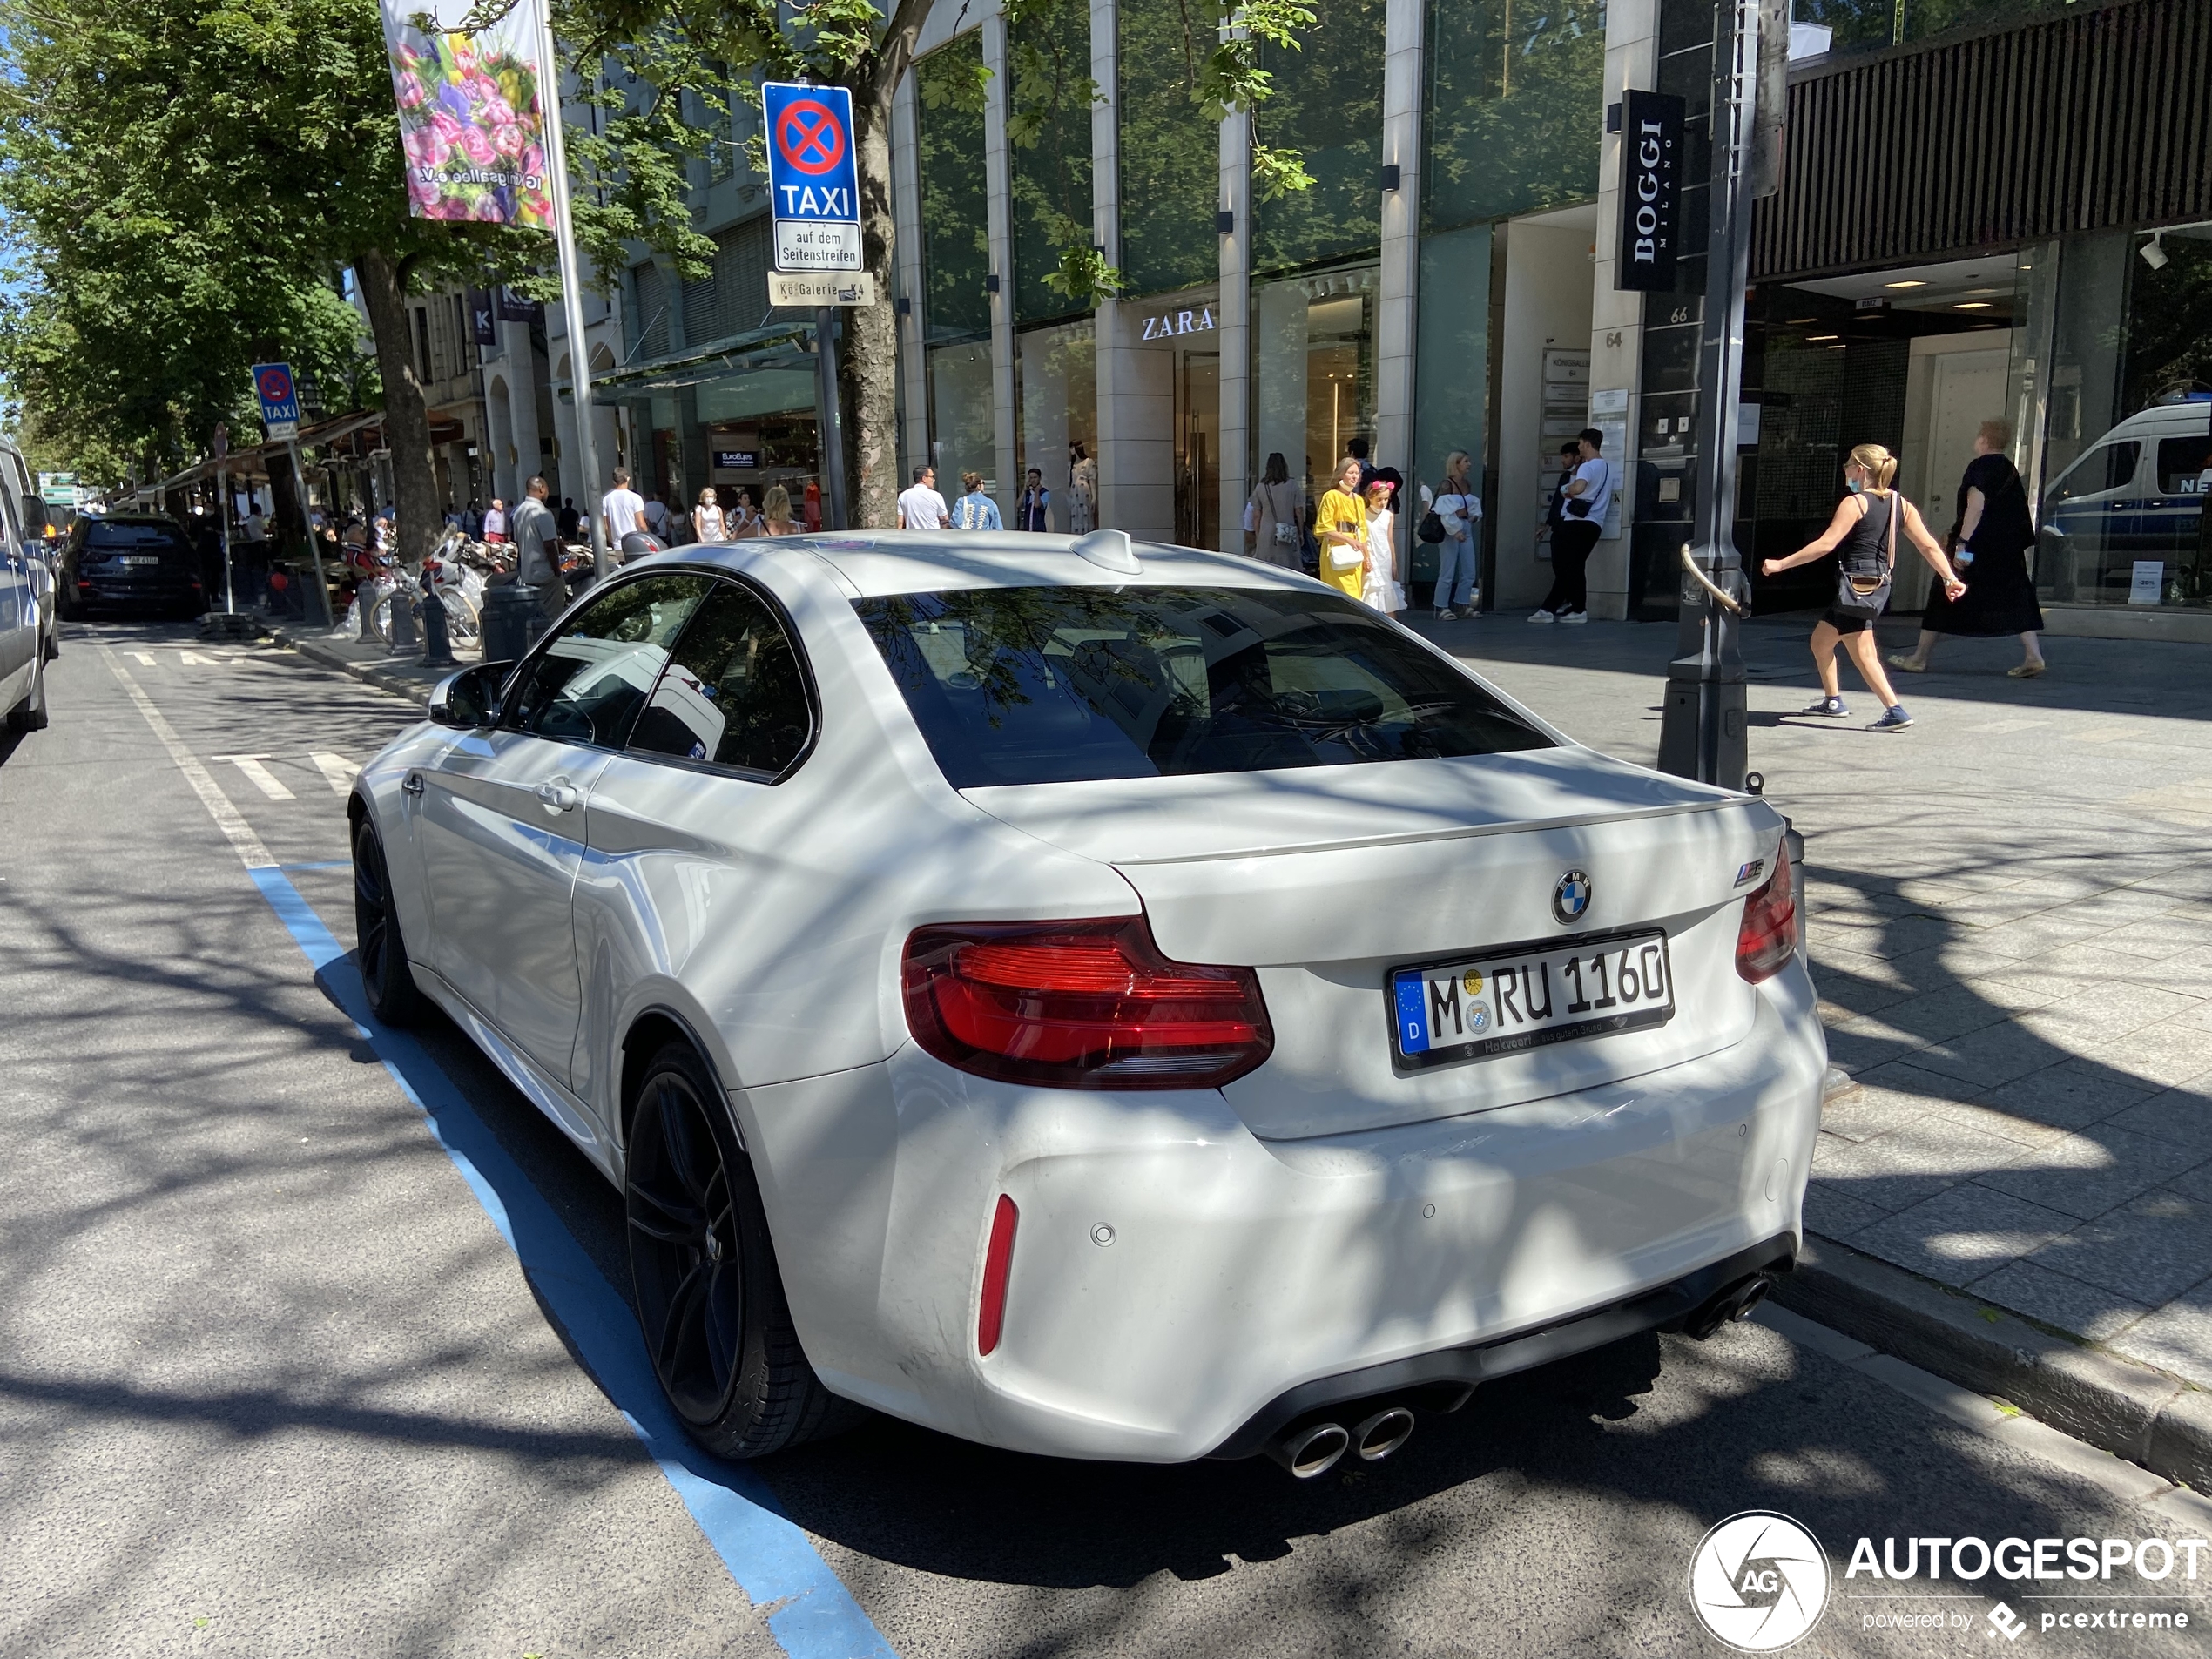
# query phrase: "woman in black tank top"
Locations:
[[1863, 540]]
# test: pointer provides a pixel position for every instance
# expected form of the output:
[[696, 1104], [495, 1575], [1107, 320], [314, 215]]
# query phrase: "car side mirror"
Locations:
[[469, 700], [34, 511]]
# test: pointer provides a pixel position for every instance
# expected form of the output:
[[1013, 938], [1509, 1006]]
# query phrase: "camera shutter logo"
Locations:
[[1759, 1581]]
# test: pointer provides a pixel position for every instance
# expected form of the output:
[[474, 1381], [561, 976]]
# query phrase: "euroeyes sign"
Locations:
[[813, 184], [1650, 197]]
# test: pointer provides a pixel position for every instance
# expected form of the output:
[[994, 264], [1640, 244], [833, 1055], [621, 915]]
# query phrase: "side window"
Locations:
[[2100, 471], [584, 686], [732, 694], [2182, 463]]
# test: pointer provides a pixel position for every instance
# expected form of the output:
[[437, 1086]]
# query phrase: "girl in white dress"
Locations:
[[1378, 585]]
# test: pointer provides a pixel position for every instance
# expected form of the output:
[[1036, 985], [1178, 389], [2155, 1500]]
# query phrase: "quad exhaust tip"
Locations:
[[1383, 1433], [1732, 1303], [1313, 1451]]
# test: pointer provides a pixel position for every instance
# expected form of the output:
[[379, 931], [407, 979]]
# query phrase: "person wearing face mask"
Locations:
[[1863, 536]]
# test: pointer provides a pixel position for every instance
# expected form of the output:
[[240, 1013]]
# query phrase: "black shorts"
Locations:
[[1844, 624]]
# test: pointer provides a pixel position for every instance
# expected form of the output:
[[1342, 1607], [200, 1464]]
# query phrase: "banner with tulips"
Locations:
[[471, 121]]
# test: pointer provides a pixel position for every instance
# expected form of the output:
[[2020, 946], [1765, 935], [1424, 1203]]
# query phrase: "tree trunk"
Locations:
[[868, 367], [407, 416]]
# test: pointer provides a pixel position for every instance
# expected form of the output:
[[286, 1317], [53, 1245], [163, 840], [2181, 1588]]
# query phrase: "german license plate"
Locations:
[[139, 558], [1525, 998]]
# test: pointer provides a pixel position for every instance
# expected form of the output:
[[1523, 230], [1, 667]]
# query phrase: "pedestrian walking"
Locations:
[[974, 510], [496, 521], [1458, 509], [623, 508], [1989, 541], [472, 520], [1863, 536], [538, 550], [1082, 491], [571, 521], [706, 518], [677, 524], [741, 522], [1341, 526], [1034, 510], [1273, 514], [921, 508], [775, 513], [810, 504], [1379, 587], [1357, 448], [656, 512], [1582, 506]]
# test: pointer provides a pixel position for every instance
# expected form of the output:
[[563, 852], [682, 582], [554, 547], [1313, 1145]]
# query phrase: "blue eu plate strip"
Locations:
[[812, 1615], [1412, 1015]]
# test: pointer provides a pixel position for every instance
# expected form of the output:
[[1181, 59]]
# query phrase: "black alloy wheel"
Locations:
[[378, 951], [710, 1300]]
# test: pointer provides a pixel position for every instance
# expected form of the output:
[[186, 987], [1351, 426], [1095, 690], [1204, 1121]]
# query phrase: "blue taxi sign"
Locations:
[[279, 400], [813, 185]]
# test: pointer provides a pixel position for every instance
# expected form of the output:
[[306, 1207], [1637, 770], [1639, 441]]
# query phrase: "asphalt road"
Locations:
[[273, 1382]]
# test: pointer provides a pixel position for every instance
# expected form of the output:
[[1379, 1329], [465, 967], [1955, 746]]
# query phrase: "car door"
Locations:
[[18, 608], [500, 825], [688, 829]]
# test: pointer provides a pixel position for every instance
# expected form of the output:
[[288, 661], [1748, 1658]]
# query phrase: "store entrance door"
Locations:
[[1197, 449]]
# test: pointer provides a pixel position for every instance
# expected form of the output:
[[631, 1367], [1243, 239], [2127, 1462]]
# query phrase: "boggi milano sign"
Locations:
[[1650, 147]]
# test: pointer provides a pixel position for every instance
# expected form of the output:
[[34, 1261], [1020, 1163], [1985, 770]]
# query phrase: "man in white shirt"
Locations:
[[1575, 536], [623, 508], [656, 515], [921, 508]]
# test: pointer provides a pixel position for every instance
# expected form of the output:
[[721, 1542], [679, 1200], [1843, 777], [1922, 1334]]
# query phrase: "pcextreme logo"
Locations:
[[1758, 1581]]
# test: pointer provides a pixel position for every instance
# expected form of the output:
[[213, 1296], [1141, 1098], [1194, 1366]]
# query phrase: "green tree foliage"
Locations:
[[1511, 87]]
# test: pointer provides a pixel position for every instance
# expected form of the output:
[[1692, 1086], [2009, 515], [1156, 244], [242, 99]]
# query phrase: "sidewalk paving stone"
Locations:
[[2009, 917]]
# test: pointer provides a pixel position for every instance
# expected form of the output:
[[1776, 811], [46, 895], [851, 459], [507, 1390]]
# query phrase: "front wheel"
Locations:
[[30, 715], [710, 1300], [387, 981]]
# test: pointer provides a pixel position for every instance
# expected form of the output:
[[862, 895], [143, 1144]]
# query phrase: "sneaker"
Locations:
[[1542, 616], [1827, 705], [1447, 615], [1895, 720], [1574, 618]]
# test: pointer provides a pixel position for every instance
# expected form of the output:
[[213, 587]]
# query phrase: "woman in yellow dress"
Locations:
[[1341, 526]]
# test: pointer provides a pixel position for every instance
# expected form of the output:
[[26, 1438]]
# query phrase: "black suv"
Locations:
[[126, 562]]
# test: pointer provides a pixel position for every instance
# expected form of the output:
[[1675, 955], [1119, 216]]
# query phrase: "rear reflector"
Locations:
[[1080, 1005], [1769, 936], [998, 1261]]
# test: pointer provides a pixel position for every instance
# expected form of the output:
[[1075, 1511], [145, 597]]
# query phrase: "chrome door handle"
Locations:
[[412, 784], [558, 793]]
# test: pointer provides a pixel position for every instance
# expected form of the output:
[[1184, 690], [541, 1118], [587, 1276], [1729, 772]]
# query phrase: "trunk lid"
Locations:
[[1327, 879]]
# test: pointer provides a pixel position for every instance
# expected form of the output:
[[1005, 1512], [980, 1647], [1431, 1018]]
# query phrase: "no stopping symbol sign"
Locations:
[[813, 185]]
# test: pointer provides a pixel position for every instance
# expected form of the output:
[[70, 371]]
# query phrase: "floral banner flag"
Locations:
[[470, 119]]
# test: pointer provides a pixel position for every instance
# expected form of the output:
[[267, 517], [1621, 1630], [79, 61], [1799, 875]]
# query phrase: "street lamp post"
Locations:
[[1702, 730]]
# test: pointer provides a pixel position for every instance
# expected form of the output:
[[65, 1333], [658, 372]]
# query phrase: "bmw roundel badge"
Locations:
[[1571, 898]]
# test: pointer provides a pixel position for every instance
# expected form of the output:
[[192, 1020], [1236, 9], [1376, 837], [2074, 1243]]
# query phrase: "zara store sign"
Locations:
[[1168, 324]]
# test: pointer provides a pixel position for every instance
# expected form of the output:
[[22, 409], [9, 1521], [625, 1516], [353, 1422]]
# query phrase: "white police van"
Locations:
[[2134, 498]]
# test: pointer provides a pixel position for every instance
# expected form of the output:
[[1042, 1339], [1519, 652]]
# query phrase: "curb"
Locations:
[[2119, 1406], [394, 676]]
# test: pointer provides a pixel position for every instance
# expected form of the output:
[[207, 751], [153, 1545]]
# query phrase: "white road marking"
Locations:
[[262, 778], [145, 657], [188, 657], [337, 770], [228, 818]]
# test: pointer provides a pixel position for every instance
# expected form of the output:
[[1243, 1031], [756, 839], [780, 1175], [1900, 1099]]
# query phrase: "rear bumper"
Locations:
[[1178, 1285], [125, 597]]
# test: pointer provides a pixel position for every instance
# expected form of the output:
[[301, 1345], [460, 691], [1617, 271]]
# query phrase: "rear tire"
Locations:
[[709, 1301], [30, 715], [387, 979], [54, 642]]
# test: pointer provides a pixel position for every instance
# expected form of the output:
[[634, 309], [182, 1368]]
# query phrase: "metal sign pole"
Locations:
[[314, 548], [1701, 730], [556, 167], [833, 428]]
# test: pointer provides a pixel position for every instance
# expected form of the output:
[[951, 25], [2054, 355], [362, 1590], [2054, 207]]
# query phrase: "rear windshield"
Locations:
[[1033, 685], [146, 538]]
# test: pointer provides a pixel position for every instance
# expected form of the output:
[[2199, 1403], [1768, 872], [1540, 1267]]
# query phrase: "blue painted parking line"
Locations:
[[812, 1614], [324, 864]]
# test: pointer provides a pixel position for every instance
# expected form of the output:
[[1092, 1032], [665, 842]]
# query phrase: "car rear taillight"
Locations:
[[1080, 1005], [998, 1262], [1769, 935]]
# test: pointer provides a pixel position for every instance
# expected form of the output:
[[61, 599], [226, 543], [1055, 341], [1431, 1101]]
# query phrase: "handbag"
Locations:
[[1431, 528], [1251, 516], [1863, 594]]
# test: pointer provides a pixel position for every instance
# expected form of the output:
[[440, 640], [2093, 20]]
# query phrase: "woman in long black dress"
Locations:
[[1990, 543]]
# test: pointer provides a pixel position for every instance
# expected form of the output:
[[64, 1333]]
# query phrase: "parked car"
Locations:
[[2136, 496], [137, 564], [25, 625], [1103, 1001], [17, 480]]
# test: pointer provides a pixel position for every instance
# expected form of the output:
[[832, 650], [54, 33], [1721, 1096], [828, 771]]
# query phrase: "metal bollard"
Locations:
[[437, 643], [511, 620], [404, 639]]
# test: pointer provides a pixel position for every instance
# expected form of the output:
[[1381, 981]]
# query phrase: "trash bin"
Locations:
[[509, 611]]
